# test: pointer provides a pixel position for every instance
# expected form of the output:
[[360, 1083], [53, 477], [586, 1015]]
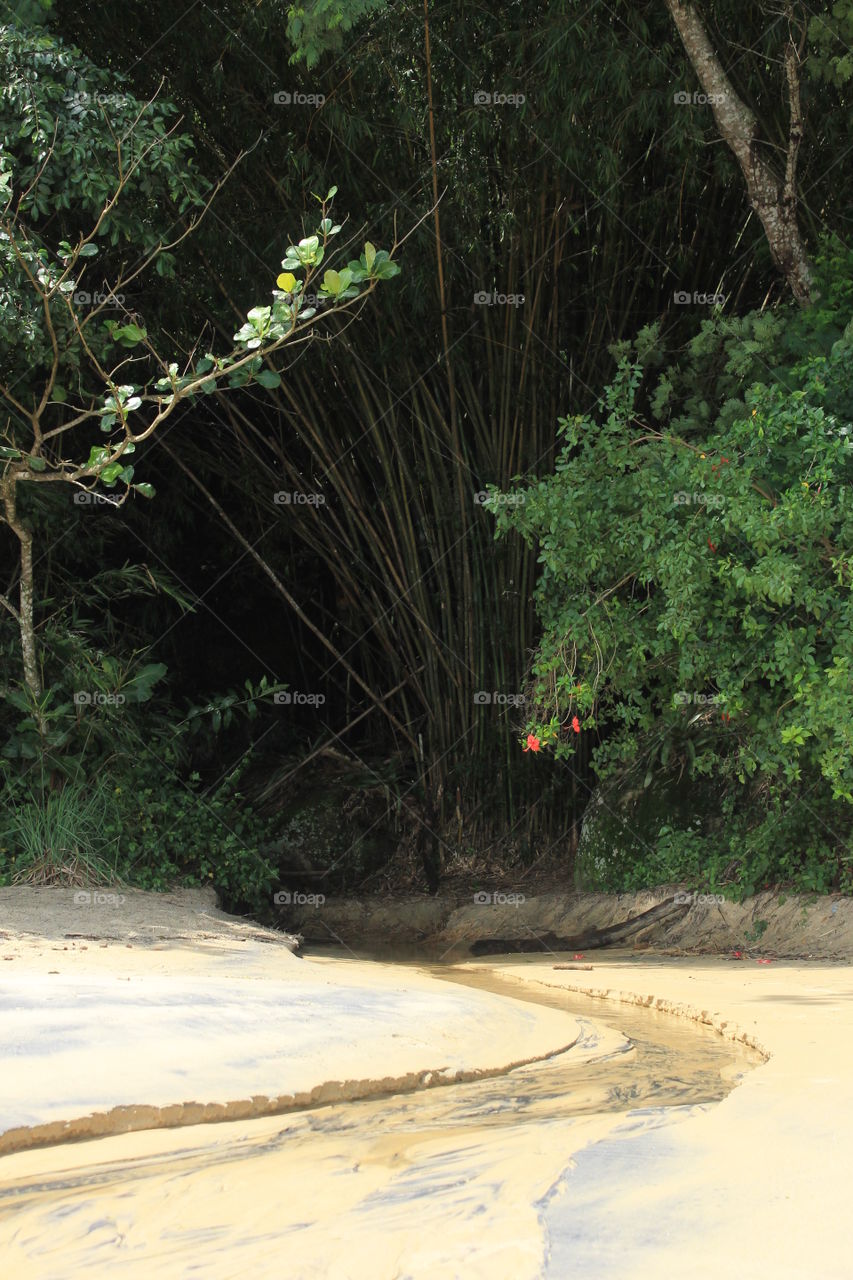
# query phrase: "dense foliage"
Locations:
[[559, 189], [696, 543]]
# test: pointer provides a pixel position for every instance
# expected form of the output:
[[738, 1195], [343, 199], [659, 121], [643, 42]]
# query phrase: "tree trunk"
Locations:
[[25, 612], [772, 196]]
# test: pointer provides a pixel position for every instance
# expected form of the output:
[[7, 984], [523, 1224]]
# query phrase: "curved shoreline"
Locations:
[[726, 1028], [765, 1177]]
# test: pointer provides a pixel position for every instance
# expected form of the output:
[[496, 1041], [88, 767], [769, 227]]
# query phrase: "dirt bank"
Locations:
[[771, 924], [37, 920]]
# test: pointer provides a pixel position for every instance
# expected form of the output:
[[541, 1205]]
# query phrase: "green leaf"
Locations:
[[129, 335], [147, 490], [385, 270], [332, 282], [141, 686], [36, 464], [268, 379], [88, 250]]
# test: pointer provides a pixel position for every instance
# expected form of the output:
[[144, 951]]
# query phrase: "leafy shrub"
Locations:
[[695, 590], [98, 782], [169, 831]]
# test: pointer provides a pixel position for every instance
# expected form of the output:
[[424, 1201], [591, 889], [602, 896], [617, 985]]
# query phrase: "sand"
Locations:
[[493, 1178]]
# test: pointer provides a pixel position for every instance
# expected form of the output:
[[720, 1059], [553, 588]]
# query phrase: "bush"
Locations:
[[98, 784], [695, 591]]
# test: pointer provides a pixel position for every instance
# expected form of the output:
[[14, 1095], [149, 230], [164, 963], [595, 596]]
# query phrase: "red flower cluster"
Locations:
[[533, 743]]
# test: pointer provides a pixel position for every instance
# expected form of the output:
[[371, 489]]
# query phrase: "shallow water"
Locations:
[[443, 1183]]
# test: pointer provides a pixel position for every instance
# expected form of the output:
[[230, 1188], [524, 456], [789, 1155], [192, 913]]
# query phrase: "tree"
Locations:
[[66, 366], [772, 196]]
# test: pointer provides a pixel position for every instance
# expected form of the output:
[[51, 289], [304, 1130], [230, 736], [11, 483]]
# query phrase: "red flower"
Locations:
[[725, 717], [738, 955], [579, 955], [533, 743], [576, 724], [711, 545]]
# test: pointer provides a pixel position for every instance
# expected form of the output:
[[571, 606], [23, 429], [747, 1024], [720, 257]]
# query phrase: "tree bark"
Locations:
[[773, 196], [25, 612]]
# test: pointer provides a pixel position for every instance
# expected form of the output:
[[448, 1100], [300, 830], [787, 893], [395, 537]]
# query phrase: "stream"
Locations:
[[445, 1182]]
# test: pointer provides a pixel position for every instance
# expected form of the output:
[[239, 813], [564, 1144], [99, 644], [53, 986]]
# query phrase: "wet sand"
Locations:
[[756, 1187], [444, 1182], [696, 1123]]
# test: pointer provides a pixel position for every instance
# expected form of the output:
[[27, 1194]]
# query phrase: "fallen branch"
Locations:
[[582, 941]]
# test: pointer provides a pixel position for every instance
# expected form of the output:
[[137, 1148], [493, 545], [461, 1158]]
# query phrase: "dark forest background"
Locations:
[[607, 210]]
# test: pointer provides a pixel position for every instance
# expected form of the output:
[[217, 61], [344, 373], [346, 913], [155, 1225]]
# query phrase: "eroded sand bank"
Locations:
[[104, 1036]]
